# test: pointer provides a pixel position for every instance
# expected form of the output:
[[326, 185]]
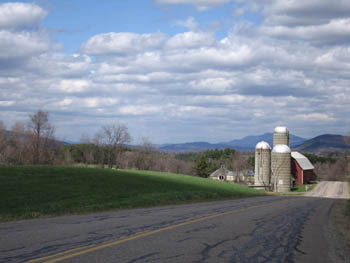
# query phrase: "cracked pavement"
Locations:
[[261, 229]]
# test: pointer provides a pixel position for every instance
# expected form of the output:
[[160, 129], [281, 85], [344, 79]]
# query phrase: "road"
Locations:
[[261, 229], [337, 190]]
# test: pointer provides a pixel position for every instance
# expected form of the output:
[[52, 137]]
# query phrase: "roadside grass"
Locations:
[[39, 191], [341, 218], [301, 188]]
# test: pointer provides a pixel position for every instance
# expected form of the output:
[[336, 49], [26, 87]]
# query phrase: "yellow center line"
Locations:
[[88, 249]]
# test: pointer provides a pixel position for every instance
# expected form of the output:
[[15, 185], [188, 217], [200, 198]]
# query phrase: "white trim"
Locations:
[[302, 176]]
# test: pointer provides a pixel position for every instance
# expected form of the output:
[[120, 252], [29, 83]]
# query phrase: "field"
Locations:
[[38, 191], [304, 188]]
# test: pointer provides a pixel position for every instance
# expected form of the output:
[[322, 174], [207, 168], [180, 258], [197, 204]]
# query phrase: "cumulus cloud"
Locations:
[[315, 117], [303, 13], [17, 15], [199, 4], [22, 44], [121, 43], [189, 23], [337, 31], [317, 22], [190, 40], [191, 85]]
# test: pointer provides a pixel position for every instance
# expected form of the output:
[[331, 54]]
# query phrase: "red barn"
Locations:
[[302, 169]]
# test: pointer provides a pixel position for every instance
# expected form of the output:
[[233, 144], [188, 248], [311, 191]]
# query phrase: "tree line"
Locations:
[[34, 143]]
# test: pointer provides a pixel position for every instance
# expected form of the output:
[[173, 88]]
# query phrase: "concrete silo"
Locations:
[[262, 164], [281, 136], [281, 168]]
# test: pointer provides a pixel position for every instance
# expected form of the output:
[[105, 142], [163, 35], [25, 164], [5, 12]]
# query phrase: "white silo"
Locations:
[[262, 164], [281, 136], [281, 168]]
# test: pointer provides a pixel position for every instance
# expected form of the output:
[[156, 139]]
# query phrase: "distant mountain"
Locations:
[[245, 144], [191, 147], [325, 143], [249, 142]]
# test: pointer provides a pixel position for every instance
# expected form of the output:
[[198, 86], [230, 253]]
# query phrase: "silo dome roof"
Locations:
[[281, 148], [281, 129], [263, 145]]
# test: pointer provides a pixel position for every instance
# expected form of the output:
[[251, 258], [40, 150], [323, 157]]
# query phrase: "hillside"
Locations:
[[325, 143], [34, 191]]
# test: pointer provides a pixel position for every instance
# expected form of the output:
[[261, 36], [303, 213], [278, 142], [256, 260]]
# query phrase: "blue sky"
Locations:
[[75, 22], [177, 70]]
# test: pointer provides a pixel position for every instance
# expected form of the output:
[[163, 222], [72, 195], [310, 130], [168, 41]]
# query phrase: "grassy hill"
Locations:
[[35, 191]]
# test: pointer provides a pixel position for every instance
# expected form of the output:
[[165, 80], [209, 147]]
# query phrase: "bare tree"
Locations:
[[86, 148], [146, 157], [41, 132], [19, 143], [239, 163], [99, 153], [3, 141], [115, 136]]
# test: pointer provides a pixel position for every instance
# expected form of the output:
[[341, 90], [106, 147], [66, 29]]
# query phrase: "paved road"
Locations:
[[262, 229]]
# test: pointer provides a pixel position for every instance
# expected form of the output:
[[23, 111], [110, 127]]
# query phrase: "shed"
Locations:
[[222, 174], [302, 168]]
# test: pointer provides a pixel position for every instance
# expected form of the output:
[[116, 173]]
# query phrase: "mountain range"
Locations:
[[247, 143], [322, 143], [325, 143]]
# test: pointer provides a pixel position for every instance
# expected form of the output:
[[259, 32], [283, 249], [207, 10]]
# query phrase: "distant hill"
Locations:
[[191, 147], [245, 144], [325, 143], [249, 142]]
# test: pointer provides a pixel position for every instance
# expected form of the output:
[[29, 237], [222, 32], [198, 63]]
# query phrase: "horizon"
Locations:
[[177, 71]]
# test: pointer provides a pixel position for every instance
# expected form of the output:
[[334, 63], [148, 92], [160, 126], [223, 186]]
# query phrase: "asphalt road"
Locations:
[[262, 229]]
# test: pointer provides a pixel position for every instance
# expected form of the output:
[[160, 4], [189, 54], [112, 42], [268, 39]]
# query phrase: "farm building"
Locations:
[[223, 174], [302, 169]]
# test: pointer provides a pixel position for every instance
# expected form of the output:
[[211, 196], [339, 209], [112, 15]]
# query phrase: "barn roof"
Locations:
[[304, 162]]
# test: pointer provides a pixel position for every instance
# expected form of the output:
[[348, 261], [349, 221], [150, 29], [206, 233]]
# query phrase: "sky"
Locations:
[[177, 70]]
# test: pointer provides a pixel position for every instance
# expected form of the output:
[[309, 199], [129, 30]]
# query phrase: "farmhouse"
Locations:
[[223, 174], [302, 169]]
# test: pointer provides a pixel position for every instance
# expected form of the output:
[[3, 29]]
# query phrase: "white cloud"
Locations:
[[16, 15], [201, 5], [22, 44], [6, 103], [337, 31], [139, 110], [189, 23], [190, 84], [121, 43], [303, 13], [188, 40], [73, 85], [315, 117]]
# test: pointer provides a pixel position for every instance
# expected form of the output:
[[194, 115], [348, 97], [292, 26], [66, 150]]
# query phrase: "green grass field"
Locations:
[[303, 188], [36, 191]]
